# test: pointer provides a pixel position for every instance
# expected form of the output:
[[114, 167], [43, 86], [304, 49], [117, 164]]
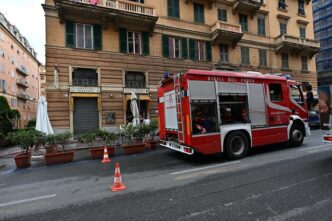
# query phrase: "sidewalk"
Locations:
[[81, 153]]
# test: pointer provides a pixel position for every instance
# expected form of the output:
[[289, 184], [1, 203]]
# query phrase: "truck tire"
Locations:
[[236, 145], [296, 136]]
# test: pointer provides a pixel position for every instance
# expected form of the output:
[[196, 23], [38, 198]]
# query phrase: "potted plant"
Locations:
[[57, 153], [97, 140], [150, 143], [135, 133], [26, 139]]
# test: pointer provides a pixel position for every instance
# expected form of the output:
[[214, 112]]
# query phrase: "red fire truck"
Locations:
[[211, 112]]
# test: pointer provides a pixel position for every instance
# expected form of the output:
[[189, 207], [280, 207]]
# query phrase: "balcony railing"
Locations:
[[225, 32], [23, 96], [22, 82], [227, 27], [21, 69], [122, 5], [297, 41], [85, 82]]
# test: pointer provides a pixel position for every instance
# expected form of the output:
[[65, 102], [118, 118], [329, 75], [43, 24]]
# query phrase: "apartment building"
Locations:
[[322, 10], [19, 78], [98, 52]]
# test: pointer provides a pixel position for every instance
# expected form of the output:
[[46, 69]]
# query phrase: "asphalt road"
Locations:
[[272, 183]]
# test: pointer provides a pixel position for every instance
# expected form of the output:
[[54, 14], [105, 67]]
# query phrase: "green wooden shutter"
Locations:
[[97, 37], [184, 44], [191, 49], [145, 43], [165, 46], [208, 51], [176, 8], [70, 34], [123, 40]]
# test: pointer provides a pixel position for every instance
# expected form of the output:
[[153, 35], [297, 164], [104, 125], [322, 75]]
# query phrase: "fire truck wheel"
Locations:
[[236, 145], [296, 136]]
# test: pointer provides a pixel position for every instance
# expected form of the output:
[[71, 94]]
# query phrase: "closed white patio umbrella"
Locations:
[[42, 122], [134, 108]]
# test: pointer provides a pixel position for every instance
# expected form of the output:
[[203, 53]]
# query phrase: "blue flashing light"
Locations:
[[166, 75]]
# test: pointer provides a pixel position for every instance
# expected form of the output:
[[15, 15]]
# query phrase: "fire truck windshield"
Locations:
[[296, 94]]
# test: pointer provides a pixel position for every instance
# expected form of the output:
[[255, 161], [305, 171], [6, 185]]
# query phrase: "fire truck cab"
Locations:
[[210, 112]]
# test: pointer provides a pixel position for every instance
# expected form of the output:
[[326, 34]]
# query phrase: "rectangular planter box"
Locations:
[[59, 157], [134, 148], [151, 145], [23, 160], [98, 153]]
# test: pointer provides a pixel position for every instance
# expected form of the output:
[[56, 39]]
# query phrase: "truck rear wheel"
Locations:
[[296, 136], [236, 145]]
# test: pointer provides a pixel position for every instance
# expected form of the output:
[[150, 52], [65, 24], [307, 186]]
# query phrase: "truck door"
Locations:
[[278, 110]]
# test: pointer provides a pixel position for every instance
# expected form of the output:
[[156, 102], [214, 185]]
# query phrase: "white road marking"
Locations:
[[27, 200], [320, 150], [314, 147], [210, 172], [204, 168]]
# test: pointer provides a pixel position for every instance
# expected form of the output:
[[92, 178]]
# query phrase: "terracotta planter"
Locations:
[[134, 148], [151, 145], [23, 160], [98, 153], [59, 157]]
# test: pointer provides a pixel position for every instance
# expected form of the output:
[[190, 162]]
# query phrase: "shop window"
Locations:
[[85, 77], [234, 109], [204, 117], [135, 79], [275, 92]]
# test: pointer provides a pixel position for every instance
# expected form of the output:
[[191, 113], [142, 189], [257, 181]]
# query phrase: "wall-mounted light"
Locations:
[[111, 95]]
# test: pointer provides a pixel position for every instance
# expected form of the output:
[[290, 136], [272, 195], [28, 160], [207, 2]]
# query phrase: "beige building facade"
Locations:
[[19, 72], [98, 52]]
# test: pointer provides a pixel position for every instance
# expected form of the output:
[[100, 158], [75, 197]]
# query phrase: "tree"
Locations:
[[7, 116]]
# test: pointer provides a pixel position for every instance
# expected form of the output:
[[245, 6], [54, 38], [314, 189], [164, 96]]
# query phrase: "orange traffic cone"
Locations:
[[117, 186], [105, 158]]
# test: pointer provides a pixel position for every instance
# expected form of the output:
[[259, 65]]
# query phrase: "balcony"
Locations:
[[247, 6], [22, 83], [22, 70], [224, 32], [23, 96], [127, 13], [296, 45]]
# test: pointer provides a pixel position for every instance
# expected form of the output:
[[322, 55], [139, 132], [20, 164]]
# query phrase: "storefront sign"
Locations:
[[78, 89], [136, 90]]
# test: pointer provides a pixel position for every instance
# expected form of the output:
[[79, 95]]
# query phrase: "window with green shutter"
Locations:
[[198, 13], [261, 25], [304, 63], [283, 28], [173, 8], [244, 22], [208, 51], [245, 56], [302, 33], [284, 61], [145, 43], [262, 58], [123, 40], [184, 44], [165, 46], [191, 49], [97, 37], [222, 14], [70, 34]]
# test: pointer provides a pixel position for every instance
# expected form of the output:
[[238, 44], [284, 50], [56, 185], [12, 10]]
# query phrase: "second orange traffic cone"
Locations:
[[118, 185], [106, 159]]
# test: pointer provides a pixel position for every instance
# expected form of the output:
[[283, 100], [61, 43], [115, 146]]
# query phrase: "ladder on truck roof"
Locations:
[[177, 88]]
